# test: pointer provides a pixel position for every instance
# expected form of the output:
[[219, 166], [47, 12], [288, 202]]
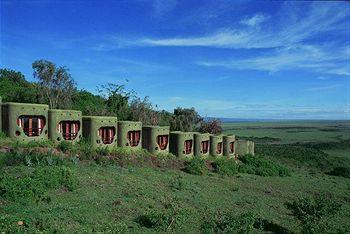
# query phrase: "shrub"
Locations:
[[31, 158], [225, 166], [2, 135], [229, 222], [340, 171], [211, 126], [263, 167], [86, 150], [196, 166], [36, 185], [172, 217], [315, 213], [65, 146], [296, 155]]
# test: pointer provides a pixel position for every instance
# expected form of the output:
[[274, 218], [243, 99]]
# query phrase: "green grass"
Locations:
[[292, 131], [111, 196], [138, 192]]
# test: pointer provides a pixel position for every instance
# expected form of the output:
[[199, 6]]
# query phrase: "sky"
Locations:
[[233, 59]]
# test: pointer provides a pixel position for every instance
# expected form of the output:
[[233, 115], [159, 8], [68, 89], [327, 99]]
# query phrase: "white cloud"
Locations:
[[323, 88], [161, 7], [321, 59], [255, 20], [287, 30]]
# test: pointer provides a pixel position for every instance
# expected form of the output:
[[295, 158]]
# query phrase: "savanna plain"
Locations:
[[298, 182]]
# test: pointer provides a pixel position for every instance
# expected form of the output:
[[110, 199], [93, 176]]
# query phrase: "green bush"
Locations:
[[37, 184], [229, 222], [2, 135], [85, 150], [65, 146], [225, 166], [315, 213], [340, 171], [33, 158], [196, 166], [167, 219], [261, 166], [299, 156]]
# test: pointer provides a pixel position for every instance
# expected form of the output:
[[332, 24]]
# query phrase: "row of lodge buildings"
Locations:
[[36, 122]]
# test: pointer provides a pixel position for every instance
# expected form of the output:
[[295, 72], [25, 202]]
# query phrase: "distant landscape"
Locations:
[[304, 164]]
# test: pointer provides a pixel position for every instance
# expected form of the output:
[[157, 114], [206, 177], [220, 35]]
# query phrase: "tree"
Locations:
[[185, 119], [89, 103], [211, 126], [142, 110], [14, 88], [57, 84], [117, 100]]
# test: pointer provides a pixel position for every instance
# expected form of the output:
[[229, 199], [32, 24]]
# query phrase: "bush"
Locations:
[[36, 185], [225, 166], [263, 167], [2, 135], [229, 222], [172, 217], [65, 146], [340, 171], [297, 155], [33, 158], [86, 150], [196, 166], [211, 126], [315, 213]]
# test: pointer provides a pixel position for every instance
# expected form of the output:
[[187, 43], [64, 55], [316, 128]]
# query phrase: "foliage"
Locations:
[[225, 166], [33, 157], [229, 222], [117, 100], [89, 103], [165, 118], [185, 119], [36, 185], [315, 213], [342, 144], [196, 166], [65, 146], [57, 84], [340, 171], [211, 126], [260, 166], [171, 217], [296, 155], [142, 110], [14, 88]]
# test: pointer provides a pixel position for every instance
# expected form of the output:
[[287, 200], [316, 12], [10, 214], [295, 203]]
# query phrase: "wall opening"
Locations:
[[69, 129], [232, 147], [188, 146], [162, 141], [107, 134], [219, 148], [134, 138], [32, 125], [205, 146]]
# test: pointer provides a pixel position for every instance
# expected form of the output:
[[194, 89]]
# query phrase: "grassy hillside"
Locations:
[[53, 190]]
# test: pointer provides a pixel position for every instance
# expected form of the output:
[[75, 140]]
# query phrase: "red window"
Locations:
[[107, 134], [162, 141], [188, 146], [232, 147], [32, 125], [205, 146], [134, 138], [69, 129], [219, 148]]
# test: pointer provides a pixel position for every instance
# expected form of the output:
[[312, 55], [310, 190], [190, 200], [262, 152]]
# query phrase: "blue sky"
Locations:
[[240, 59]]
